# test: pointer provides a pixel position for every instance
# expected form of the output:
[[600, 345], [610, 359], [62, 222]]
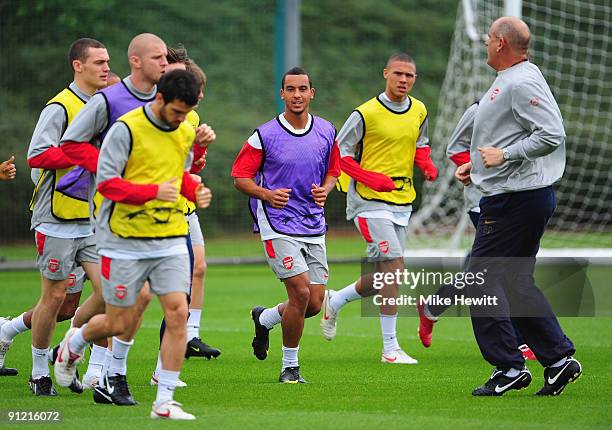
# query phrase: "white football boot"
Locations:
[[328, 321], [170, 410], [66, 362], [397, 357]]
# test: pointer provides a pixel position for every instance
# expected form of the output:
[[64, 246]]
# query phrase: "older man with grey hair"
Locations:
[[517, 154]]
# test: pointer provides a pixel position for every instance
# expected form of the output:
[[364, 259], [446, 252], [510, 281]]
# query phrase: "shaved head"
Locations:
[[515, 31], [141, 43], [147, 57]]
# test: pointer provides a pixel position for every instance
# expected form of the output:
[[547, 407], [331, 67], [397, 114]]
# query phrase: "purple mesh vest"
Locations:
[[296, 162], [119, 101]]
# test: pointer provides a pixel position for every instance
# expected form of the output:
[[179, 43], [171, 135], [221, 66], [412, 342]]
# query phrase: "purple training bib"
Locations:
[[295, 161]]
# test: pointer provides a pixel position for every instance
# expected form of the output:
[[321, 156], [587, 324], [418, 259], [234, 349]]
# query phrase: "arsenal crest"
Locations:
[[120, 292], [384, 247], [288, 263], [53, 265], [72, 280]]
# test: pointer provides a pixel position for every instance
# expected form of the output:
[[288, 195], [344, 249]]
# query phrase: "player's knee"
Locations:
[[176, 315], [54, 298], [300, 297], [117, 326]]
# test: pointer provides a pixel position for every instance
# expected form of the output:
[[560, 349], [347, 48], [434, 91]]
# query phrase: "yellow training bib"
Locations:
[[389, 147], [156, 156], [64, 207]]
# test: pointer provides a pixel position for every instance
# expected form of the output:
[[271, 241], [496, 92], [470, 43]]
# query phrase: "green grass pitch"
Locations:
[[348, 387]]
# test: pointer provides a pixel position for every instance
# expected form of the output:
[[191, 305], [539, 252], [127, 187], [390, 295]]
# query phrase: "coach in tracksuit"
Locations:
[[517, 153]]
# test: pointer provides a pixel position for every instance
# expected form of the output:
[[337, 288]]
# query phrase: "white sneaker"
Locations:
[[90, 380], [4, 346], [397, 357], [66, 363], [328, 321], [170, 410], [179, 383]]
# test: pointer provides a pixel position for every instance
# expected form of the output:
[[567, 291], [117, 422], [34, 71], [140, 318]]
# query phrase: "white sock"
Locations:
[[290, 357], [344, 296], [118, 363], [108, 356], [193, 323], [559, 363], [165, 387], [159, 365], [77, 342], [96, 360], [13, 328], [512, 373], [388, 325], [40, 365], [270, 317]]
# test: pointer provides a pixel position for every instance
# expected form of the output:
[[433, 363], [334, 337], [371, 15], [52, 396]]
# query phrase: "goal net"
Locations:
[[571, 45]]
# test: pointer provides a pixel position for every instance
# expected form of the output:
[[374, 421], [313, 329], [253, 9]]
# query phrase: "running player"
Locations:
[[380, 143], [10, 328], [81, 142], [195, 346], [178, 60], [288, 189], [517, 153], [64, 236], [141, 229]]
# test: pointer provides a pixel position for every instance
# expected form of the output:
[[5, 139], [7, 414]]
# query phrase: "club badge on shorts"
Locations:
[[383, 246], [53, 265], [288, 263], [120, 292], [72, 280]]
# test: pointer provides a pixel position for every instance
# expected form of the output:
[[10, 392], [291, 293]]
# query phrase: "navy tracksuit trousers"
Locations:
[[511, 225]]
